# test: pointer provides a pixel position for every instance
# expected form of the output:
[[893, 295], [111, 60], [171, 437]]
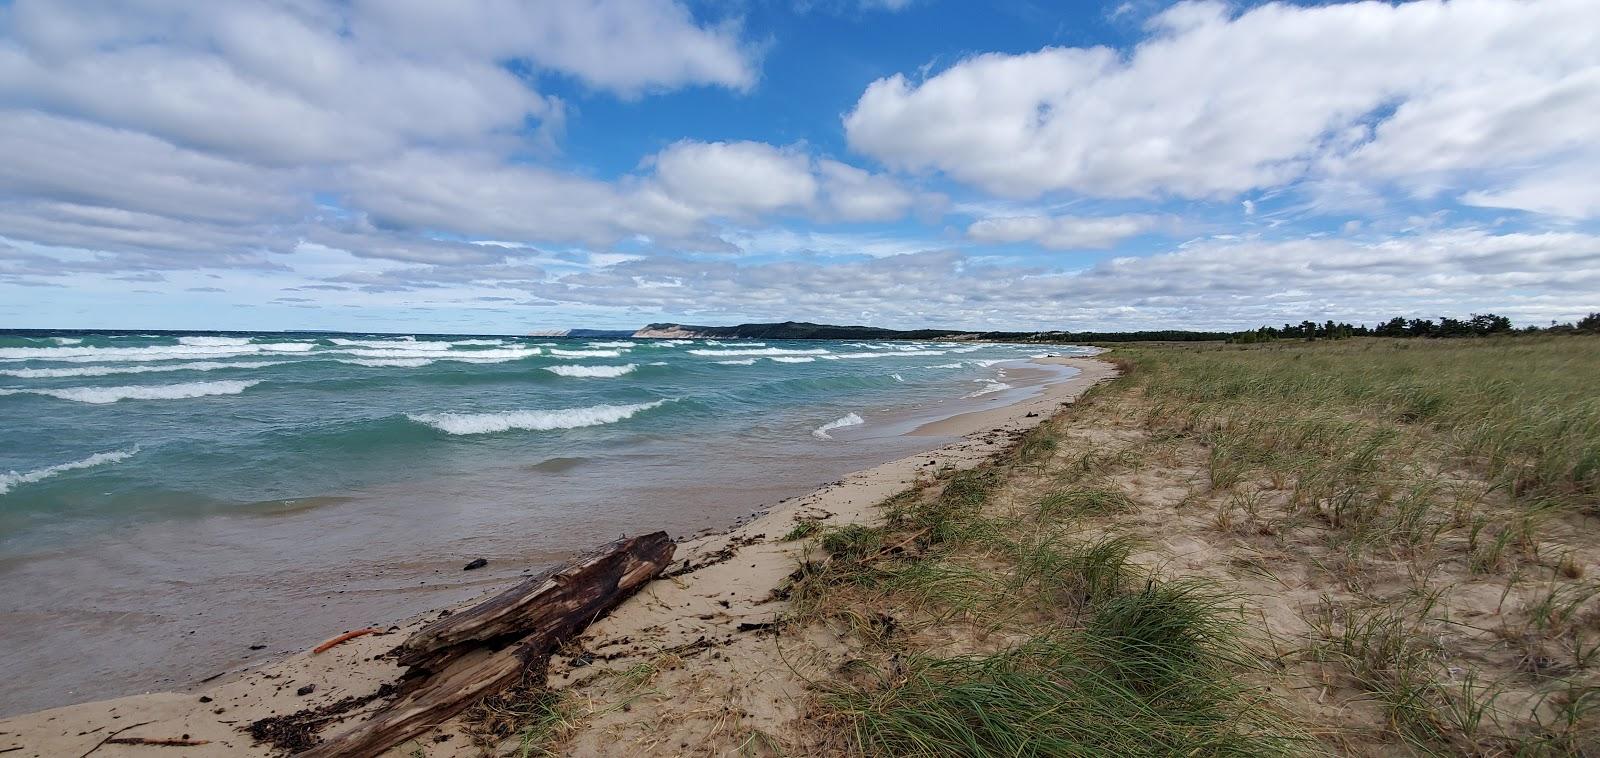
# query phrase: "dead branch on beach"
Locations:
[[467, 656]]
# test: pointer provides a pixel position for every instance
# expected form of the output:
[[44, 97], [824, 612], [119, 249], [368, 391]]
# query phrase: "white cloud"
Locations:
[[64, 160], [1531, 277], [622, 45], [1572, 190], [1210, 105], [857, 195], [317, 81], [1062, 232], [735, 178]]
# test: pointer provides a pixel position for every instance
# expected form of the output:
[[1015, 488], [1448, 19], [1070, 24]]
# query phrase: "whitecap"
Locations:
[[610, 344], [989, 388], [57, 373], [897, 377], [149, 353], [957, 364], [758, 351], [388, 362], [821, 432], [587, 353], [502, 354], [598, 372], [214, 341], [103, 395], [565, 418], [739, 362], [791, 358], [12, 479]]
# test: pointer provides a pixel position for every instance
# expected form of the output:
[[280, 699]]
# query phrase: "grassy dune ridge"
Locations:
[[1366, 546]]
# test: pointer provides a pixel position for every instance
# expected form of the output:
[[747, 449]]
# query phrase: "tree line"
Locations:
[[1476, 325]]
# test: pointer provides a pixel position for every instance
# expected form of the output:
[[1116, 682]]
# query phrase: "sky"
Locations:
[[502, 166]]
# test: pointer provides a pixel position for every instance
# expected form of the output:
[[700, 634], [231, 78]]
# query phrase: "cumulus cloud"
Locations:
[[735, 178], [1423, 95], [854, 194], [326, 81], [1062, 232]]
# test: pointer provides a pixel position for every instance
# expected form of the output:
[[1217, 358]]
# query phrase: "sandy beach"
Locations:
[[723, 582]]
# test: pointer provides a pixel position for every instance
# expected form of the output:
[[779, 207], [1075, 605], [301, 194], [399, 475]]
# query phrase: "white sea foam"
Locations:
[[821, 432], [502, 354], [67, 340], [610, 344], [587, 353], [897, 377], [412, 344], [57, 373], [597, 372], [757, 351], [214, 341], [988, 389], [957, 364], [12, 479], [565, 418], [103, 354], [103, 395], [739, 362], [987, 362], [791, 358], [969, 349], [388, 362]]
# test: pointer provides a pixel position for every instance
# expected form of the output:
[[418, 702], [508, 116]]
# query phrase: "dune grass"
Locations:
[[1437, 497]]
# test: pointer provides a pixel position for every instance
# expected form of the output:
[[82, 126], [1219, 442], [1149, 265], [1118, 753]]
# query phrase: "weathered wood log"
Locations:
[[469, 655]]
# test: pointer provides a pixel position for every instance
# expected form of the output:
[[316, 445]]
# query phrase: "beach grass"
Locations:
[[1365, 546]]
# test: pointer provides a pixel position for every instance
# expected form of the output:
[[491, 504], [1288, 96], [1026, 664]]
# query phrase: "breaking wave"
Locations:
[[598, 372], [758, 351], [586, 353], [565, 418], [12, 479], [389, 362], [103, 395], [57, 373], [821, 432], [214, 341], [988, 389]]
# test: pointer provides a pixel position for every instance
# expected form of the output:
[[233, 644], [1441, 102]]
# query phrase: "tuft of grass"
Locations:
[[1084, 501], [1165, 637], [1117, 689], [802, 529], [1052, 573], [853, 542]]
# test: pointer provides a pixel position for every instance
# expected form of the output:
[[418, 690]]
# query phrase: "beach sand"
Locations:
[[689, 624]]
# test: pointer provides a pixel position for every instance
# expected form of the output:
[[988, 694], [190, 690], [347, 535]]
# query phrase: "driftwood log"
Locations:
[[469, 655]]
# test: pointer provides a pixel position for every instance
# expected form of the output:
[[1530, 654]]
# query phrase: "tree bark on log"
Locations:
[[466, 656]]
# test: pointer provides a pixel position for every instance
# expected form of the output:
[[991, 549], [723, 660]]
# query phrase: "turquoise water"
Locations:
[[233, 477]]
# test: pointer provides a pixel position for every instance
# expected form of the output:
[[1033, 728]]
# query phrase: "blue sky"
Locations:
[[502, 166]]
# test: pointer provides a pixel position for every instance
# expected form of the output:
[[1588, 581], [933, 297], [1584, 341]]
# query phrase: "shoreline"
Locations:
[[709, 595]]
